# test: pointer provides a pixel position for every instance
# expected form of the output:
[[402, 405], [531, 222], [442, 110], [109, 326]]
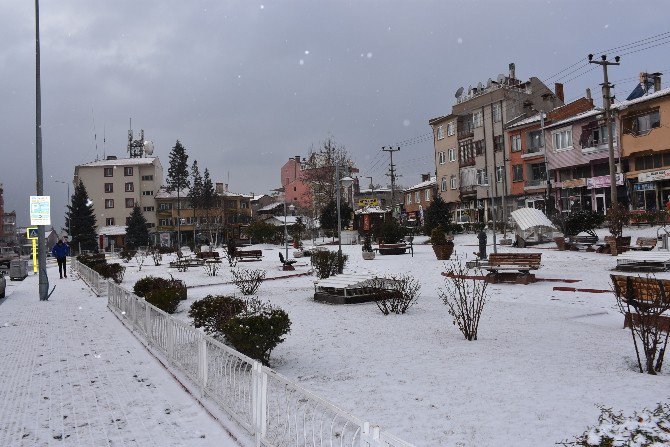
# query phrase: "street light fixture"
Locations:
[[345, 182], [292, 208]]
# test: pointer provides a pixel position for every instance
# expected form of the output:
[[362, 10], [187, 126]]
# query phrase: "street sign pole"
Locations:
[[33, 235]]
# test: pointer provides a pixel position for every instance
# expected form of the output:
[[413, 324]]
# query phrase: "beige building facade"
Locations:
[[115, 185], [446, 157]]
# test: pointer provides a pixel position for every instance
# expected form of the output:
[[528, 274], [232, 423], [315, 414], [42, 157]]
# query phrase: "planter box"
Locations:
[[368, 255], [560, 243], [443, 252]]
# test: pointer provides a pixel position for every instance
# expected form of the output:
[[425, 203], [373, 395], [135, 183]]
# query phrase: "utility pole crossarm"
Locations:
[[392, 174]]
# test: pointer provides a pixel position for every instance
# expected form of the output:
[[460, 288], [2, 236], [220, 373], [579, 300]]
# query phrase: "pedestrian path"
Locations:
[[71, 374]]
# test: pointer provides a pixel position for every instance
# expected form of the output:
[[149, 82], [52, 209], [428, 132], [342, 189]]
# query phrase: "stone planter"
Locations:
[[368, 255], [560, 243], [443, 252], [620, 245], [506, 241]]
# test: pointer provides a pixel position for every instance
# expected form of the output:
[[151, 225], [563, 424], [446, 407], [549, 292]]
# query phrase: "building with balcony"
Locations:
[[644, 128]]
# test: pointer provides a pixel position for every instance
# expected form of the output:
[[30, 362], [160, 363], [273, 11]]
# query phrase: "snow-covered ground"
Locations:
[[542, 362], [72, 374]]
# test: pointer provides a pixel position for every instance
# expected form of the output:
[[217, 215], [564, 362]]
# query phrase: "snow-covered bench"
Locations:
[[643, 260], [500, 265]]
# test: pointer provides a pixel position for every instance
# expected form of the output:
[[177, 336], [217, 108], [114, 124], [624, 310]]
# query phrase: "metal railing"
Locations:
[[96, 282], [274, 410]]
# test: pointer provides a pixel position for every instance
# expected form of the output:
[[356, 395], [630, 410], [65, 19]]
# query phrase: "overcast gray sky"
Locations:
[[247, 84]]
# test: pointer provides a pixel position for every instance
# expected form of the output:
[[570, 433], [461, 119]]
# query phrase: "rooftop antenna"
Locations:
[[137, 148]]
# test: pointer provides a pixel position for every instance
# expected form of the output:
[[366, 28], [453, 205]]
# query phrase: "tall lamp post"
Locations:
[[69, 235], [292, 208], [345, 182]]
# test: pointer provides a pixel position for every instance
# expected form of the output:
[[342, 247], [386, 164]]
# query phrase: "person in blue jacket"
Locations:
[[60, 251]]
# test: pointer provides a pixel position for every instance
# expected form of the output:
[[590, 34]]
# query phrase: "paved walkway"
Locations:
[[71, 374]]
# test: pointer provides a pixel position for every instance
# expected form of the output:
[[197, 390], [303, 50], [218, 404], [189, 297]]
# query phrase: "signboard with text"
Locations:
[[663, 174], [602, 181], [368, 202], [40, 210]]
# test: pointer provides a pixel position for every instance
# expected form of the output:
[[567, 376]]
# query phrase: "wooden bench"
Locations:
[[253, 255], [577, 242], [643, 261], [208, 255], [610, 240], [187, 262], [644, 244], [501, 265], [650, 296], [287, 264]]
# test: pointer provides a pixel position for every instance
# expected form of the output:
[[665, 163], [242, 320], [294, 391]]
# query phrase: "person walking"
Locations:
[[60, 251]]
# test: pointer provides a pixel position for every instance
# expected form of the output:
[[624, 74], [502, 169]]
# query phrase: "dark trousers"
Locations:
[[62, 262]]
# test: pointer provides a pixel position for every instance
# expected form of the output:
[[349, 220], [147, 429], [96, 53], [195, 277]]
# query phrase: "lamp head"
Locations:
[[346, 181], [603, 57], [590, 57], [617, 59]]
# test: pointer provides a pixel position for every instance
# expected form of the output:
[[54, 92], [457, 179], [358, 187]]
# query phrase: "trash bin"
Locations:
[[18, 270]]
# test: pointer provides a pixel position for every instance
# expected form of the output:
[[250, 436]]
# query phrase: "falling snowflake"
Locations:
[[306, 51], [301, 62], [459, 40], [262, 6], [369, 55], [405, 123], [607, 26]]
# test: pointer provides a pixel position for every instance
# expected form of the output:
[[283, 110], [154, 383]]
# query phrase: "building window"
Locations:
[[148, 208], [642, 124], [562, 139], [232, 204], [497, 113], [450, 129], [482, 178], [498, 143], [480, 147], [500, 172], [130, 187], [127, 220], [453, 182], [147, 193], [440, 133], [109, 187], [452, 154], [109, 221], [652, 161], [109, 172], [516, 143], [535, 141], [443, 184], [128, 171], [441, 157], [477, 119], [147, 178], [428, 195], [109, 203], [537, 171], [130, 203], [409, 198], [165, 206], [244, 205], [150, 225], [517, 173], [417, 196]]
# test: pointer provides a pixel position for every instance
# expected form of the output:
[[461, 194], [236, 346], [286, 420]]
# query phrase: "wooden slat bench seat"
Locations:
[[644, 244], [644, 294], [248, 254], [500, 266], [643, 261], [207, 255]]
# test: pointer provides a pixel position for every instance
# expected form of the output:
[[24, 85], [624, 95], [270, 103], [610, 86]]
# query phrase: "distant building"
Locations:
[[259, 202], [115, 185], [8, 229], [296, 190], [418, 197]]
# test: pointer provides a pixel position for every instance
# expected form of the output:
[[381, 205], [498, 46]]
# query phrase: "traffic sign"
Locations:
[[32, 233]]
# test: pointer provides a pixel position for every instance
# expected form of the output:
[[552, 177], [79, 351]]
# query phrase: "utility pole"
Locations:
[[607, 104], [41, 243], [390, 150], [372, 187]]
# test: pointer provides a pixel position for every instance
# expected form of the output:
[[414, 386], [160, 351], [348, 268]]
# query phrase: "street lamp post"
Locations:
[[291, 207], [346, 182]]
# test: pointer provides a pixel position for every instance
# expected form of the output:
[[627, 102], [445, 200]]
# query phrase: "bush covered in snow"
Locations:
[[149, 283], [110, 271], [648, 428], [325, 263], [166, 300], [396, 294], [89, 260], [464, 298], [248, 280], [212, 312]]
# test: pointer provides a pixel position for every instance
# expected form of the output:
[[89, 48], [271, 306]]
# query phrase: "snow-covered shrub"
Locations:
[[213, 312], [166, 300], [89, 260], [464, 298], [149, 283], [648, 428], [127, 254], [110, 271], [140, 257], [325, 263], [157, 256], [248, 280], [211, 268], [257, 331], [396, 293]]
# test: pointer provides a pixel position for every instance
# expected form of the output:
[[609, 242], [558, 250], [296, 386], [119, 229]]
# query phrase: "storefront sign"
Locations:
[[653, 176], [603, 181], [165, 239], [576, 183], [367, 202], [366, 222], [643, 187]]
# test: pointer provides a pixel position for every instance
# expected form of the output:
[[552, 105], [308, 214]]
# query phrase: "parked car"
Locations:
[[7, 254]]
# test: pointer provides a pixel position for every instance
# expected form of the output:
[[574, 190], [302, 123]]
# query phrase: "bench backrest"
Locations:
[[646, 241], [641, 288], [515, 258]]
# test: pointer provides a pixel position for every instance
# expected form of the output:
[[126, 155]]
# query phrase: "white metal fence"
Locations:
[[96, 282], [273, 409]]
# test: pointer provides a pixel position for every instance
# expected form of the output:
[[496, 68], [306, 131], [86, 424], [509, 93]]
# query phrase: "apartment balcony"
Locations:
[[468, 190], [533, 152], [535, 184], [466, 133]]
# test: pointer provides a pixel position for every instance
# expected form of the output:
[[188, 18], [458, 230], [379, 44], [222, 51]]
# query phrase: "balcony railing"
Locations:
[[535, 183], [468, 132]]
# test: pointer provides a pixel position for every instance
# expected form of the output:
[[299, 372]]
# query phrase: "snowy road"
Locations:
[[71, 374]]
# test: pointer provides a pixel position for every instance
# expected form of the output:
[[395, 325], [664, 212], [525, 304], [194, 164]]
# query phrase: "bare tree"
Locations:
[[464, 298], [396, 293]]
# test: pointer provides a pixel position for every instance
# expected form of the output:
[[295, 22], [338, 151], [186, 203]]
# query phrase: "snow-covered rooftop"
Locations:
[[163, 193], [422, 185], [529, 120], [572, 119], [623, 104], [121, 162]]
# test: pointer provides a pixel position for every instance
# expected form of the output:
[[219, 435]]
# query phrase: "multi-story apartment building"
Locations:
[[418, 197], [296, 190], [446, 157], [115, 185], [527, 168], [481, 115], [8, 228], [225, 220]]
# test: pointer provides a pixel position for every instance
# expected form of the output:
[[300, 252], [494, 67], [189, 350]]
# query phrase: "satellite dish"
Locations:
[[489, 82], [459, 92], [148, 147], [480, 87], [501, 78]]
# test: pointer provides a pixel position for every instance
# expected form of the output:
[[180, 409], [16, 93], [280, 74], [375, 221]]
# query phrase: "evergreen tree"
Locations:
[[436, 214], [208, 199], [195, 194], [328, 218], [177, 178], [81, 219], [137, 231]]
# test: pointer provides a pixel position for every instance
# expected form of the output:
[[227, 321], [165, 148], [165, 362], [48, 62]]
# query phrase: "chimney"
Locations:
[[588, 95], [225, 187], [425, 177], [512, 69], [558, 89], [657, 82], [111, 157], [219, 188], [297, 158]]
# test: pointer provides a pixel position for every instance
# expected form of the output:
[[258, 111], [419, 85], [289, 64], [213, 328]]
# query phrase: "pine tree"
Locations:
[[328, 218], [177, 178], [208, 198], [81, 219], [137, 231], [195, 194], [436, 214]]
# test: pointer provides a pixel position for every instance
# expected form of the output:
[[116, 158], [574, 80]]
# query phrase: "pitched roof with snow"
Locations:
[[572, 119], [163, 193], [623, 104], [526, 121], [423, 185], [121, 162]]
